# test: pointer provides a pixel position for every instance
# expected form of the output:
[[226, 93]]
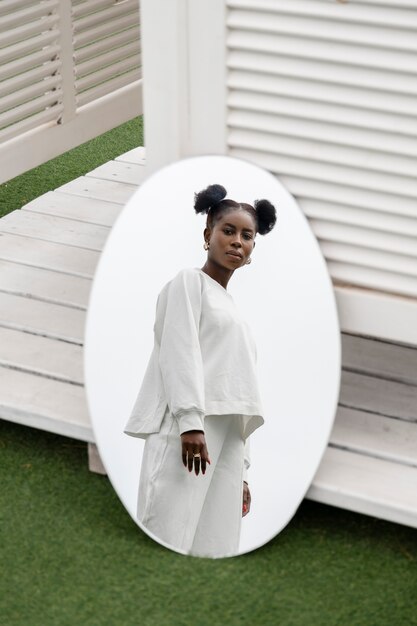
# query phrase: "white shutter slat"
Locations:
[[28, 47], [372, 259], [12, 69], [107, 15], [29, 108], [16, 35], [106, 47], [21, 81], [29, 13], [265, 147], [336, 143], [372, 279], [309, 48], [242, 76], [328, 9], [34, 121], [105, 29], [8, 6], [109, 58], [362, 218], [105, 73], [358, 198], [338, 31], [377, 240], [115, 83], [29, 93], [328, 121], [118, 40], [324, 71]]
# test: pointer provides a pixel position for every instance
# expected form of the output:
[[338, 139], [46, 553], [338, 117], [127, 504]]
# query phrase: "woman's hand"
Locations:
[[246, 499], [193, 442]]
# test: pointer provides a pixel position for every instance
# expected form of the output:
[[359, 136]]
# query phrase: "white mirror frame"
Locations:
[[285, 295]]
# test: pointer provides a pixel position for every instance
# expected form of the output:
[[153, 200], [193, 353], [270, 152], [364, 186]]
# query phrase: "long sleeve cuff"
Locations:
[[190, 421]]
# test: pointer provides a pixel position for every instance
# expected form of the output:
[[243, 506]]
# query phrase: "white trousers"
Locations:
[[199, 515]]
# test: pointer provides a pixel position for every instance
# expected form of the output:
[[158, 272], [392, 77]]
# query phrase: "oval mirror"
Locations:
[[286, 297]]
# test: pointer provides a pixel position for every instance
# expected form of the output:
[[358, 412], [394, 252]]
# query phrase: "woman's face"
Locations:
[[231, 239]]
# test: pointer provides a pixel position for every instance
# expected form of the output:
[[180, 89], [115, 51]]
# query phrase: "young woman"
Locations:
[[199, 399]]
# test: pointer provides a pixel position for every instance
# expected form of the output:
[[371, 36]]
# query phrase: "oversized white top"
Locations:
[[203, 361]]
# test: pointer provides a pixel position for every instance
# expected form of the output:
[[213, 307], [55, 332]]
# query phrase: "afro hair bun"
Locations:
[[207, 198], [267, 216]]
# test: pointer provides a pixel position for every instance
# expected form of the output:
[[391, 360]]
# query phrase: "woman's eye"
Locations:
[[227, 231], [247, 236]]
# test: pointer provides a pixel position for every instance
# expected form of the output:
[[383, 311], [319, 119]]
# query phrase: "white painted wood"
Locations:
[[381, 396], [41, 355], [366, 485], [176, 103], [137, 155], [57, 229], [387, 360], [120, 171], [44, 403], [322, 94], [42, 318], [83, 209], [67, 74], [90, 187], [95, 464], [376, 436], [42, 284], [367, 312], [48, 255]]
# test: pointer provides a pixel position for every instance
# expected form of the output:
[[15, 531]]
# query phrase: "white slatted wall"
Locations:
[[56, 57], [323, 94]]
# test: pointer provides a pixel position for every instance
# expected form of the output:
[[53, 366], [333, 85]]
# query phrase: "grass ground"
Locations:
[[56, 172], [71, 555]]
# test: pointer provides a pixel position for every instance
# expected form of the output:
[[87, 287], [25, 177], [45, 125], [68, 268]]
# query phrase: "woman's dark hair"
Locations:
[[212, 201]]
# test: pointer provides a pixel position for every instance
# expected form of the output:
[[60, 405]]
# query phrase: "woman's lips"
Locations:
[[235, 255]]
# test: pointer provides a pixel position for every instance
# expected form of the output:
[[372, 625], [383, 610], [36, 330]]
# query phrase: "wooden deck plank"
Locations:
[[378, 395], [137, 155], [44, 284], [41, 355], [56, 229], [90, 187], [44, 403], [88, 210], [375, 435], [380, 358], [366, 485], [42, 318], [131, 173], [48, 255]]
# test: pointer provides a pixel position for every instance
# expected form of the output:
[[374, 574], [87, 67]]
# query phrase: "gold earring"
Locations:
[[206, 245], [248, 261]]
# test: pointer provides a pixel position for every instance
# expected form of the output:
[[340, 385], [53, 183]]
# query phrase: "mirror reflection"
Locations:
[[212, 340]]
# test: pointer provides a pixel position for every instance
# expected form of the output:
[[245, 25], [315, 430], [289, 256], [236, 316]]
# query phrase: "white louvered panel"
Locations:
[[29, 93], [373, 279], [362, 218], [316, 164], [34, 121], [326, 120], [111, 85], [323, 94], [47, 71], [107, 49], [319, 83], [374, 259], [331, 142], [30, 90]]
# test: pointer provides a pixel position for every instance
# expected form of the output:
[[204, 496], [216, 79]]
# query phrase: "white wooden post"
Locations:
[[67, 60], [184, 66]]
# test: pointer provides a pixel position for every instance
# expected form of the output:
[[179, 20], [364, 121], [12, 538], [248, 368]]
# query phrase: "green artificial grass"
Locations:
[[72, 556], [20, 190]]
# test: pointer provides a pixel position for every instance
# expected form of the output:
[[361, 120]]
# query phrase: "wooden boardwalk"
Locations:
[[48, 253]]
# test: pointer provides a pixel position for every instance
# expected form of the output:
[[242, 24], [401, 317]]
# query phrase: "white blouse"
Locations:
[[203, 361]]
